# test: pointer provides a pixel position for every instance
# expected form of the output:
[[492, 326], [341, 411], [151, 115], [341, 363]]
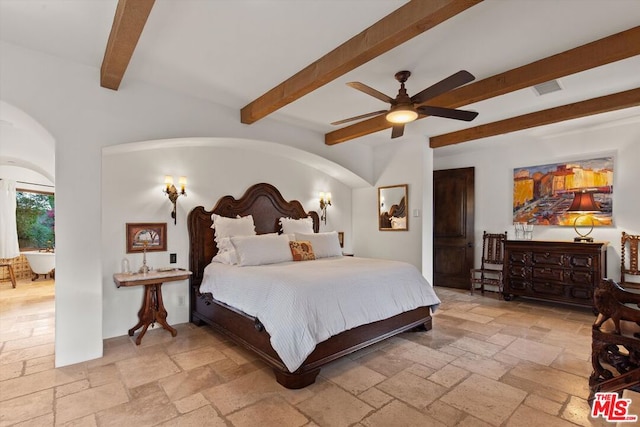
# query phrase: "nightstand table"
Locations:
[[152, 309]]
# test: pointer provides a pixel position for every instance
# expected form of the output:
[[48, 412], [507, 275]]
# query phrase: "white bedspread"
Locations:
[[303, 303]]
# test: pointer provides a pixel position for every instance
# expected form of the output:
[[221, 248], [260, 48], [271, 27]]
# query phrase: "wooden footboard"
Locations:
[[248, 332]]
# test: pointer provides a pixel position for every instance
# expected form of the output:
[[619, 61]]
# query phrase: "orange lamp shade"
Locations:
[[583, 202]]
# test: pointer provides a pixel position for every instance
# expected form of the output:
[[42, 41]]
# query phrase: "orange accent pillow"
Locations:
[[301, 250]]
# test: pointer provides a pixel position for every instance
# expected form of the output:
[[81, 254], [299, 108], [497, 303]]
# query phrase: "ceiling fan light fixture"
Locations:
[[402, 114]]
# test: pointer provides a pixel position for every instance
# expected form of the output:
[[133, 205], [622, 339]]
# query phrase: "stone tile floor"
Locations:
[[486, 362]]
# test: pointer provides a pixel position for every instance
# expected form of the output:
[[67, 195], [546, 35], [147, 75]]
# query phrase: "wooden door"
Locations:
[[453, 227]]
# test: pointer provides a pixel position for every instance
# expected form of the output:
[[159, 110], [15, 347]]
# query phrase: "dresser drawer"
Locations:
[[519, 257], [548, 273], [549, 258], [516, 270], [581, 261], [580, 277], [518, 284], [547, 288], [581, 293]]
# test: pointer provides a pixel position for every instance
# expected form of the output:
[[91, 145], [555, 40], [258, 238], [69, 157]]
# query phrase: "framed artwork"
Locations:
[[544, 195], [393, 205], [341, 238], [151, 234]]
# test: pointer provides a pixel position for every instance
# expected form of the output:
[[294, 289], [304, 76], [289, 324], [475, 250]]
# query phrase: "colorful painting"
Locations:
[[543, 194]]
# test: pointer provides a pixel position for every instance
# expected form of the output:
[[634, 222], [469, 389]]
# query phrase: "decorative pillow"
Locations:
[[302, 250], [229, 227], [324, 244], [224, 229], [262, 249], [290, 225]]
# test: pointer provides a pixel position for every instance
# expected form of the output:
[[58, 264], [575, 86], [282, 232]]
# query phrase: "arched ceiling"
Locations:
[[27, 150]]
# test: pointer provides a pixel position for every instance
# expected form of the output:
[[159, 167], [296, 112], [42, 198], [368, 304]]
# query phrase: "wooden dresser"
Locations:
[[561, 271]]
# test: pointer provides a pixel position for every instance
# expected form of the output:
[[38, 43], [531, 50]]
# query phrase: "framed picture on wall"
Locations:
[[153, 235], [551, 194]]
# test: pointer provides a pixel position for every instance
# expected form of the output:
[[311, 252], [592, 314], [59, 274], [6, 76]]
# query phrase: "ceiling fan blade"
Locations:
[[445, 85], [397, 131], [448, 113], [370, 91], [362, 116]]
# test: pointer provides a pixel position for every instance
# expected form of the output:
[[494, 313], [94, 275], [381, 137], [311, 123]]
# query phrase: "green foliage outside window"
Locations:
[[35, 216]]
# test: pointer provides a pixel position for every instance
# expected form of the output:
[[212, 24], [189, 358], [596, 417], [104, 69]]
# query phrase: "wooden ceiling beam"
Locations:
[[128, 23], [600, 52], [410, 20], [603, 104]]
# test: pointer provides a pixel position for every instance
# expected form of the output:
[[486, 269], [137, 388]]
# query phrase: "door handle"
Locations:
[[469, 244]]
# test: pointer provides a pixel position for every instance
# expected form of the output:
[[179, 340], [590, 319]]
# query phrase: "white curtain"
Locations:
[[8, 228]]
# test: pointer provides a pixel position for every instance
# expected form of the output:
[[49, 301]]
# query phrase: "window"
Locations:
[[35, 217]]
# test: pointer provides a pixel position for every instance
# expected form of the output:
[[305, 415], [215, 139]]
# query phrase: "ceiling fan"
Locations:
[[405, 109]]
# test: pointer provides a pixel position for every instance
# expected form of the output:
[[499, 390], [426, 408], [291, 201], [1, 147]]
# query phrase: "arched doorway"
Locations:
[[27, 158]]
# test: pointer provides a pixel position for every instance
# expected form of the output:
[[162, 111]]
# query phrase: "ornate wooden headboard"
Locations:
[[263, 201]]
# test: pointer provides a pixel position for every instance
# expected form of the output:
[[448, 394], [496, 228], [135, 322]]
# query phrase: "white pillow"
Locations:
[[227, 252], [226, 257], [224, 229], [290, 225], [224, 244], [262, 249], [229, 227], [324, 244]]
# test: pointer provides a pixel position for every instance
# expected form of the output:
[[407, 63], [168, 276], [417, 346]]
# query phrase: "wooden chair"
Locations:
[[12, 276], [615, 340], [629, 246], [490, 271]]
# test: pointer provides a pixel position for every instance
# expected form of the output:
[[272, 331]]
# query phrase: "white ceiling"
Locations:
[[232, 51]]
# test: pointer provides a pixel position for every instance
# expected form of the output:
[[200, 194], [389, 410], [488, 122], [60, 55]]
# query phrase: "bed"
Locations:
[[266, 205]]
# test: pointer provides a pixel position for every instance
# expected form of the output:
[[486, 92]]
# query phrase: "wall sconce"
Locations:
[[583, 203], [172, 192], [325, 200]]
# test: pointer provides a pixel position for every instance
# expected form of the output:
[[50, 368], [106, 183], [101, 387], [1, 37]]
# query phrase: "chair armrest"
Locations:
[[614, 302]]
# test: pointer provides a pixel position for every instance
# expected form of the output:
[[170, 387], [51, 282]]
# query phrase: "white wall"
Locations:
[[67, 100], [402, 162], [495, 158]]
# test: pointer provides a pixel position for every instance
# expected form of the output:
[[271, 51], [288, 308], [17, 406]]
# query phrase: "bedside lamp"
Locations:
[[583, 203], [172, 192]]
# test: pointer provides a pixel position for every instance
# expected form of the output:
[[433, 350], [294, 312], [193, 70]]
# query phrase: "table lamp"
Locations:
[[583, 203]]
